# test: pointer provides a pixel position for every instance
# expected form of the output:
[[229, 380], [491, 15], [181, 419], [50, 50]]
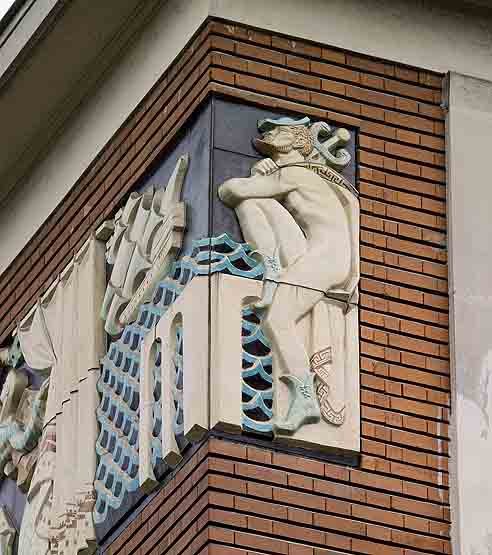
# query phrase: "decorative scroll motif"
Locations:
[[117, 445], [289, 209], [320, 365], [148, 233], [7, 533]]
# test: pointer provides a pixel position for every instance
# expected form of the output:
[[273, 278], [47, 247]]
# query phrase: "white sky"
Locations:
[[4, 6]]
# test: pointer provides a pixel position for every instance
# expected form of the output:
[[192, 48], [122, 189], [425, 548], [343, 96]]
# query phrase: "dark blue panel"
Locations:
[[195, 140], [225, 166], [235, 125]]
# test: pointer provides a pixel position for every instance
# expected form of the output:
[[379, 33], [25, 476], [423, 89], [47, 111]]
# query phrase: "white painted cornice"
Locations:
[[52, 54]]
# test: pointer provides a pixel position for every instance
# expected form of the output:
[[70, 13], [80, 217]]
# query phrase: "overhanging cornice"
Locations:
[[52, 53]]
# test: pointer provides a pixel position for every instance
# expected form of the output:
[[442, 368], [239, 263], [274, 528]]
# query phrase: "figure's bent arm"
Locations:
[[234, 191]]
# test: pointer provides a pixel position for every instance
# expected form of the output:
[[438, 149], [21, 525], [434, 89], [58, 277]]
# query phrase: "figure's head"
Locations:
[[283, 135]]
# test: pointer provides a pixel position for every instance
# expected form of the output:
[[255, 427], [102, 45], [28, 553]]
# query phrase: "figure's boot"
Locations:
[[303, 407], [270, 279]]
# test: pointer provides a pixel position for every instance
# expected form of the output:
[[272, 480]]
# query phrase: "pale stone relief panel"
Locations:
[[256, 334], [63, 338], [302, 218], [251, 328]]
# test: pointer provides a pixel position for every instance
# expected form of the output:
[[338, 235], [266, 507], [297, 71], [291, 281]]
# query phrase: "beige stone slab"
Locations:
[[229, 295]]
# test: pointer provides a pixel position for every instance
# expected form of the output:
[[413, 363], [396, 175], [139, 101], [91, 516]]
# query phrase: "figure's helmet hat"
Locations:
[[268, 124], [326, 141]]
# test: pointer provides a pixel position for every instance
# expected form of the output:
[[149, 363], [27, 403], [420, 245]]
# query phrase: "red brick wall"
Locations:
[[233, 499], [401, 151], [397, 501]]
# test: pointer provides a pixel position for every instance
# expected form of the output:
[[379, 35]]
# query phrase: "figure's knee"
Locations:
[[278, 317]]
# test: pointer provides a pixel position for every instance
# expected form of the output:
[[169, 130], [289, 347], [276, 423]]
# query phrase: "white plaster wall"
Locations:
[[30, 204], [470, 248], [409, 31]]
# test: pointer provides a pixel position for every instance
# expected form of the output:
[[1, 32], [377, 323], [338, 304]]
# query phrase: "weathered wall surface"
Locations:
[[470, 141], [436, 35]]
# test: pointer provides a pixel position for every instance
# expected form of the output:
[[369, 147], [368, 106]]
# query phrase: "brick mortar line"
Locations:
[[392, 380], [388, 296], [370, 342], [388, 426], [429, 244], [319, 495], [365, 297], [314, 512], [439, 467], [349, 481], [362, 183], [441, 182], [182, 534], [442, 441], [238, 549], [312, 104], [379, 419], [312, 73], [441, 389], [196, 470], [442, 358], [441, 472], [406, 159], [436, 244], [391, 219], [409, 144], [373, 185], [408, 480], [308, 542], [218, 32], [368, 259], [404, 365], [417, 180], [404, 284], [387, 329], [395, 333]]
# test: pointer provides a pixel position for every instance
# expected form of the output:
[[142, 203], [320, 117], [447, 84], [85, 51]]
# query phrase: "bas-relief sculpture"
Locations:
[[303, 220], [7, 533], [22, 411], [260, 337], [148, 233], [63, 338], [146, 236]]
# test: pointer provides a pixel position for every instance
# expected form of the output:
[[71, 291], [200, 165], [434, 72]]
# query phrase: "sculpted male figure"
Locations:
[[298, 222]]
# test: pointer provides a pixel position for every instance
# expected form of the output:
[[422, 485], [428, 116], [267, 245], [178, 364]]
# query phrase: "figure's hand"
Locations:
[[226, 193], [264, 167]]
